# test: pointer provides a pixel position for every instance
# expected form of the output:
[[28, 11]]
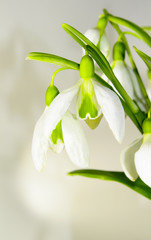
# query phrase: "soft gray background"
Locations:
[[52, 205]]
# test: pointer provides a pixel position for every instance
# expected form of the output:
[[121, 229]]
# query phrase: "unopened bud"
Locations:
[[119, 51], [51, 93]]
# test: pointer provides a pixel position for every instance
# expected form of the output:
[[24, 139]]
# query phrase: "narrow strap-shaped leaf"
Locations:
[[138, 186], [45, 57], [144, 57]]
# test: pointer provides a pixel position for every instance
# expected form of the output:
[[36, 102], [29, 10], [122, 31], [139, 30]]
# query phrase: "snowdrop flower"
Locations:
[[136, 158], [57, 128], [93, 100], [126, 75]]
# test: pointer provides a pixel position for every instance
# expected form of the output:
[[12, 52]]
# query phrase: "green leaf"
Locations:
[[144, 57], [138, 186], [45, 57]]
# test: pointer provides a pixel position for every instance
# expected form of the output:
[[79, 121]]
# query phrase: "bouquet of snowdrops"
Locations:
[[110, 90]]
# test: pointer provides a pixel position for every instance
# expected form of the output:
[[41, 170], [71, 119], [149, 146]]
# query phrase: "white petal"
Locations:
[[47, 123], [93, 35], [112, 110], [135, 83], [57, 148], [121, 72], [58, 107], [138, 96], [127, 159], [105, 46], [39, 143], [143, 160], [75, 141]]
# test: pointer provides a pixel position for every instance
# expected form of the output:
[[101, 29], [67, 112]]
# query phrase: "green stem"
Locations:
[[129, 33], [126, 23], [55, 73]]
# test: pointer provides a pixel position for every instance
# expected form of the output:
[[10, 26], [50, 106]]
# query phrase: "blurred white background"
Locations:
[[52, 205]]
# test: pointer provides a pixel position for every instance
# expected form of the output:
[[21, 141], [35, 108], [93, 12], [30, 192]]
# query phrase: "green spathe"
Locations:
[[51, 93]]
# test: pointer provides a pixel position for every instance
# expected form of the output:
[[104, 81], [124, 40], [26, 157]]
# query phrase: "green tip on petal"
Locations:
[[119, 51], [51, 93], [86, 101], [86, 67], [88, 108], [57, 134]]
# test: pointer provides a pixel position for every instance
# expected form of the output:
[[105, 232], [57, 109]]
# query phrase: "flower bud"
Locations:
[[51, 93], [102, 22], [86, 67], [119, 51], [147, 125]]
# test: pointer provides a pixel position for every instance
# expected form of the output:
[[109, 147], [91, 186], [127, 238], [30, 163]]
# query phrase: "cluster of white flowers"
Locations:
[[57, 127]]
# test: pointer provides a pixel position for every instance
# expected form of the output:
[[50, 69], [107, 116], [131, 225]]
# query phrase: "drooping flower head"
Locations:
[[136, 158], [126, 75], [57, 128], [93, 100]]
